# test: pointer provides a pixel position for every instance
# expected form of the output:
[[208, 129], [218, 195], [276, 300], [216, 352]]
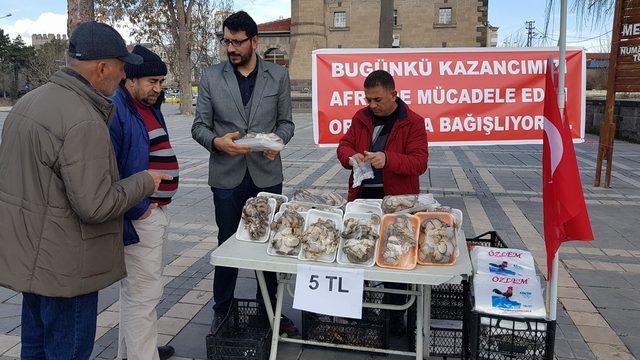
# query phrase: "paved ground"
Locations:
[[497, 187]]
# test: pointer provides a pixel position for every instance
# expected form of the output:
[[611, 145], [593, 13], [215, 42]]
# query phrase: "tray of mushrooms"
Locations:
[[280, 199], [359, 239], [316, 196], [286, 233], [437, 239], [399, 240], [302, 206], [256, 218], [407, 203], [321, 236]]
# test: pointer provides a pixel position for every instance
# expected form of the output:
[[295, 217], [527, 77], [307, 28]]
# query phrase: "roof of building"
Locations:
[[598, 56], [277, 25]]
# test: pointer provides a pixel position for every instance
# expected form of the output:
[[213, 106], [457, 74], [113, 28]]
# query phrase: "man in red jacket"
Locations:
[[392, 138], [389, 136]]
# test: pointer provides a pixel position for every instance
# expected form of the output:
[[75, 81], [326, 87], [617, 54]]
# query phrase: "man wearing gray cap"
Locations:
[[62, 200]]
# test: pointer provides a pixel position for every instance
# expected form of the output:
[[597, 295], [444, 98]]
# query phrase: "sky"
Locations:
[[49, 16]]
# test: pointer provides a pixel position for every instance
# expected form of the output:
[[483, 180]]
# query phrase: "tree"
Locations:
[[46, 60], [183, 29], [5, 43], [595, 12], [79, 11], [17, 57]]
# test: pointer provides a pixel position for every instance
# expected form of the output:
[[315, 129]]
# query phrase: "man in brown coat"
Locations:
[[61, 198]]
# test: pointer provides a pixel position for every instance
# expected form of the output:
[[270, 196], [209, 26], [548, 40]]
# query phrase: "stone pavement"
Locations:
[[497, 188]]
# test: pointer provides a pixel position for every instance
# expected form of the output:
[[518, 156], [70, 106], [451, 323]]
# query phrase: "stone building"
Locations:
[[274, 41], [38, 40], [317, 24]]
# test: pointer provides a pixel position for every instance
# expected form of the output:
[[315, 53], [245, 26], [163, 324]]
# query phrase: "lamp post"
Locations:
[[5, 16]]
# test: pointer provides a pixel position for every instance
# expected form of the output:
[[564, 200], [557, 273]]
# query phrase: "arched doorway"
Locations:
[[277, 56]]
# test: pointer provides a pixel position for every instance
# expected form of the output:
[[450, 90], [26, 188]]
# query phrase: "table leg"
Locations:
[[419, 323], [426, 300], [265, 296], [276, 322]]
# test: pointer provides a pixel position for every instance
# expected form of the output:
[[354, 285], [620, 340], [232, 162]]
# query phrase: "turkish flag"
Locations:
[[565, 212]]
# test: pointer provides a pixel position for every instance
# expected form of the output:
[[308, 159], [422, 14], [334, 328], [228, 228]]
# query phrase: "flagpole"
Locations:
[[552, 285]]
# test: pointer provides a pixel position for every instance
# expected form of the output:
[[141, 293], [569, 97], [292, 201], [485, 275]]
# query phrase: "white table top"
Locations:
[[253, 256]]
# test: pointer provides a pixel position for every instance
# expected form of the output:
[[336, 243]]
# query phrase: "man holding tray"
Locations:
[[241, 96], [392, 139]]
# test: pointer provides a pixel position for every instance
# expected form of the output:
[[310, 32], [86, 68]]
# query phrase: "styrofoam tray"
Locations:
[[270, 250], [275, 196], [242, 233], [377, 202], [360, 207], [457, 217], [312, 206], [312, 216], [342, 257]]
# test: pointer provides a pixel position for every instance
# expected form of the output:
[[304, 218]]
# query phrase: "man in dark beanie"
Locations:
[[141, 141]]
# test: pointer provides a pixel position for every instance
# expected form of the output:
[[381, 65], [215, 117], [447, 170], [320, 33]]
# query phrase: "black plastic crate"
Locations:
[[501, 337], [448, 308], [497, 337], [371, 331], [244, 334]]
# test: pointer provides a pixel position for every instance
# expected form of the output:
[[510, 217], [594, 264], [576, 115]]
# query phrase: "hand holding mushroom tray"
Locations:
[[398, 232]]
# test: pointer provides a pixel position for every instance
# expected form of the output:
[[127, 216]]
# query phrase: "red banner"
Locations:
[[467, 96]]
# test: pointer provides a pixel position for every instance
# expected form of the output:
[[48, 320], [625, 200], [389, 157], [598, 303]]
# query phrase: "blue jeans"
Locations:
[[228, 207], [58, 328]]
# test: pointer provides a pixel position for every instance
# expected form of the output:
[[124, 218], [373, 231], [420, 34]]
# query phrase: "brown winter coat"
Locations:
[[61, 200]]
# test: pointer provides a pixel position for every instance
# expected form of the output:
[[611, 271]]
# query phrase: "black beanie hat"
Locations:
[[151, 65]]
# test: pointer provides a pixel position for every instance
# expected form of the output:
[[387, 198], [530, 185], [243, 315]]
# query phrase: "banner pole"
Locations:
[[552, 288]]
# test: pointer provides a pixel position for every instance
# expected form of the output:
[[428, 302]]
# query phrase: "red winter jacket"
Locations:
[[406, 150]]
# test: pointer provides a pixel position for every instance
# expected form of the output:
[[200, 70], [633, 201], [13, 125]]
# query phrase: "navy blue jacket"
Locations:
[[130, 140]]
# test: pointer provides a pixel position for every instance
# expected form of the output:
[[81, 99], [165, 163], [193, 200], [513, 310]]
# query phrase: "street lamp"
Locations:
[[5, 16]]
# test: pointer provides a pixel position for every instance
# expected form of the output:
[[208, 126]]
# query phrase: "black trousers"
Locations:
[[228, 208]]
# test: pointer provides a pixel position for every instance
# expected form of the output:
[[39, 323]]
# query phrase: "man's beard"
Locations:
[[244, 60], [150, 99]]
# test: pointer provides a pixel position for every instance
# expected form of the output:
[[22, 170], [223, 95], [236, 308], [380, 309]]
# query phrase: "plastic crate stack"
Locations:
[[448, 309], [244, 334], [498, 337], [370, 331]]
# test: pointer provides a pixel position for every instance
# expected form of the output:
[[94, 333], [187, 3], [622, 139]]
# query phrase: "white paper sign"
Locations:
[[329, 290]]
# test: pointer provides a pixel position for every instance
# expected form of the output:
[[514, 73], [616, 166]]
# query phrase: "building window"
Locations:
[[339, 19], [395, 17], [444, 16]]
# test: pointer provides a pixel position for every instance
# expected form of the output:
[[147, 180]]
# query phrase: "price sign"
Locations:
[[329, 290]]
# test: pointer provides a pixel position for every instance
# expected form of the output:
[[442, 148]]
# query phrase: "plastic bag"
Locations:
[[262, 142], [509, 296], [503, 262], [361, 171]]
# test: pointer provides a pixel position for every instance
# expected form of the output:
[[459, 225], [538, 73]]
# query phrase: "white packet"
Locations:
[[361, 171], [503, 262], [509, 296], [262, 142]]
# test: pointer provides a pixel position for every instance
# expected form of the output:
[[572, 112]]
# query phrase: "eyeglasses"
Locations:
[[235, 43]]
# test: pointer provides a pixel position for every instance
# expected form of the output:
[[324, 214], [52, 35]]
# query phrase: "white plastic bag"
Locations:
[[503, 262], [361, 171], [509, 296], [262, 142]]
